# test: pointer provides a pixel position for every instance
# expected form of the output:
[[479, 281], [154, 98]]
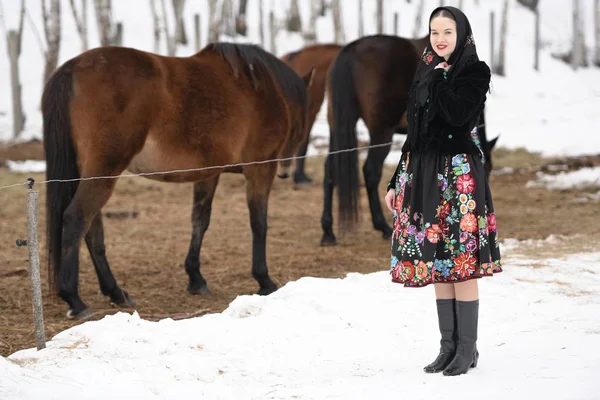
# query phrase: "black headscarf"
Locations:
[[465, 53]]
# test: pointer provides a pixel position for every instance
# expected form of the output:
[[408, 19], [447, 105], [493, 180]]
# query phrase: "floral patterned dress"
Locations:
[[444, 221]]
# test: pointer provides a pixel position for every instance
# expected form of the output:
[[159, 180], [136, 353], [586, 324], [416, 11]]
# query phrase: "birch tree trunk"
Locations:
[[227, 19], [310, 36], [180, 35], [156, 26], [103, 20], [81, 23], [379, 16], [577, 53], [261, 13], [361, 16], [418, 19], [500, 70], [171, 40], [338, 24], [52, 31], [213, 23], [241, 25], [294, 23], [597, 31], [14, 40]]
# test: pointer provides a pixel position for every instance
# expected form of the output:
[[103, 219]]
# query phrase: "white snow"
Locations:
[[588, 177], [26, 166], [352, 338]]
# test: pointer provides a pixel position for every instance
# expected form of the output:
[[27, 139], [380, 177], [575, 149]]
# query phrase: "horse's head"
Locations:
[[299, 129]]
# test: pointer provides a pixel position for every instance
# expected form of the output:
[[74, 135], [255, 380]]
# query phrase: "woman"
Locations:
[[444, 222]]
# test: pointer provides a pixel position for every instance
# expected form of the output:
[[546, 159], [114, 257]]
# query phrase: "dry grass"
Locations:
[[147, 252]]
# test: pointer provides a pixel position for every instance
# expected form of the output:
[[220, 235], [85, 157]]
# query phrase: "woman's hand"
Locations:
[[443, 65], [389, 199]]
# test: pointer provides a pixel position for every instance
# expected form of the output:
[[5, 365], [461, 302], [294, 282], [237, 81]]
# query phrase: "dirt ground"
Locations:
[[147, 252]]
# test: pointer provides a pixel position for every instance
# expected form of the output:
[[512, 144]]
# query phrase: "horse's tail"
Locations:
[[61, 162], [345, 114]]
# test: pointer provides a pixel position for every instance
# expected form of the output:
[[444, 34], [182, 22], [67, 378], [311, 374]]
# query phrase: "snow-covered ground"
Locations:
[[353, 338]]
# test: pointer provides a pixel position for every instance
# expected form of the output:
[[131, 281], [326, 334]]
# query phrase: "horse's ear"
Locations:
[[308, 78], [492, 142]]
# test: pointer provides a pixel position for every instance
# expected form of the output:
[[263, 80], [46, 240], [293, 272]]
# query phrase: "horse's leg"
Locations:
[[94, 238], [89, 198], [259, 179], [328, 238], [300, 176], [204, 192], [372, 171]]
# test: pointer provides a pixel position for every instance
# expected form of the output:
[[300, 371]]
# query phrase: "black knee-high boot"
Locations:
[[467, 313], [446, 309]]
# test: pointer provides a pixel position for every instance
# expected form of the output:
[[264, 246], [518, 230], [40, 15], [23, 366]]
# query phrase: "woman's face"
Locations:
[[443, 36]]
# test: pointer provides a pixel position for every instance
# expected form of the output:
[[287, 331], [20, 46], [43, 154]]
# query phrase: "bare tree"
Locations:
[[14, 40], [531, 4], [52, 31], [156, 24], [310, 36], [197, 30], [241, 26], [109, 34], [227, 18], [597, 28], [578, 52], [261, 15], [379, 16], [418, 18], [361, 24], [338, 25], [273, 29], [171, 40], [213, 23], [180, 35], [294, 22], [502, 46], [81, 22]]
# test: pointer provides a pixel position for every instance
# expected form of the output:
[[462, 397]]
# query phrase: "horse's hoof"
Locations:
[[81, 315], [302, 180], [327, 240], [201, 290], [266, 290], [123, 299]]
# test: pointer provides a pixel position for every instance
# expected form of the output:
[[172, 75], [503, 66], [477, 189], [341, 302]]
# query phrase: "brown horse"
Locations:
[[319, 57], [114, 108], [369, 79]]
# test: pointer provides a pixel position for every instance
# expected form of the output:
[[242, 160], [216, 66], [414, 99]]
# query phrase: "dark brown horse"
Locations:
[[114, 108], [319, 57], [369, 79]]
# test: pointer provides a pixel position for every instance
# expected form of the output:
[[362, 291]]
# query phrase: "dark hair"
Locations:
[[443, 13]]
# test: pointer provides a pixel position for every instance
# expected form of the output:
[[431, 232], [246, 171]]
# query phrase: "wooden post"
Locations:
[[34, 265]]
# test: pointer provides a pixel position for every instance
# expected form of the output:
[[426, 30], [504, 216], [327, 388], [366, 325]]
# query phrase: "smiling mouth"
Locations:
[[441, 47]]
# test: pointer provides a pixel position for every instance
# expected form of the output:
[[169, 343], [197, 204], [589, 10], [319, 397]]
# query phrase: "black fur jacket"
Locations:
[[452, 111]]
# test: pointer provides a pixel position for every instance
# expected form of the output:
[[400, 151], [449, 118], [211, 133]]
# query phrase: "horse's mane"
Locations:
[[258, 62]]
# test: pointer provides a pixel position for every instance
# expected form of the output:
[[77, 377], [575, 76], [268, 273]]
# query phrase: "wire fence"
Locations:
[[177, 171]]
